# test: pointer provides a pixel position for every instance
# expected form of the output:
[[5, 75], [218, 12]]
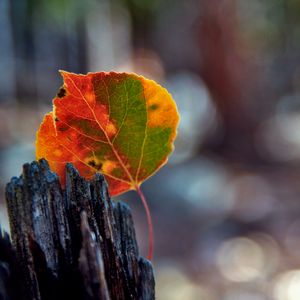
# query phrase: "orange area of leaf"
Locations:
[[160, 113]]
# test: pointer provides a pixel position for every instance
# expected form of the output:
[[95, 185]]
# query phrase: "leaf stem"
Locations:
[[149, 221]]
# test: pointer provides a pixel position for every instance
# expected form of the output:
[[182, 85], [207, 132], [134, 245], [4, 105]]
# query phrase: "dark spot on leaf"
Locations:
[[154, 107], [93, 164], [56, 119], [61, 93]]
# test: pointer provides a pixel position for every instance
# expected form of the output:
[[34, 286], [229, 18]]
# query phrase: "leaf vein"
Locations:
[[144, 142], [83, 134]]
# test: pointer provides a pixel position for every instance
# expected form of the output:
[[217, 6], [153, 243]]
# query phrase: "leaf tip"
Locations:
[[62, 72]]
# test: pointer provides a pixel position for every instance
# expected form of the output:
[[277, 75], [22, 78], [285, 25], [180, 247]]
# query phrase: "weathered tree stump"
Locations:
[[69, 244]]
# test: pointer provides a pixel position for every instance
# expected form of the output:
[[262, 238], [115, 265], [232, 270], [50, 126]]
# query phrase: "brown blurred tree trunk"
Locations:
[[234, 82]]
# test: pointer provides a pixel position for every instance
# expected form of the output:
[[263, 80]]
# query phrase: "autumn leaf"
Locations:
[[122, 125]]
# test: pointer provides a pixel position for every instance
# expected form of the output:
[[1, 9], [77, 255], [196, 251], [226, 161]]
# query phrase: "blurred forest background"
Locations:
[[226, 208]]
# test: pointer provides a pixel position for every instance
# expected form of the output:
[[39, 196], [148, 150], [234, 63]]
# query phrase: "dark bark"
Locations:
[[69, 244]]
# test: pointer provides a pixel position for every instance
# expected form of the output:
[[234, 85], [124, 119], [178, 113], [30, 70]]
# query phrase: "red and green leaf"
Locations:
[[122, 125]]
